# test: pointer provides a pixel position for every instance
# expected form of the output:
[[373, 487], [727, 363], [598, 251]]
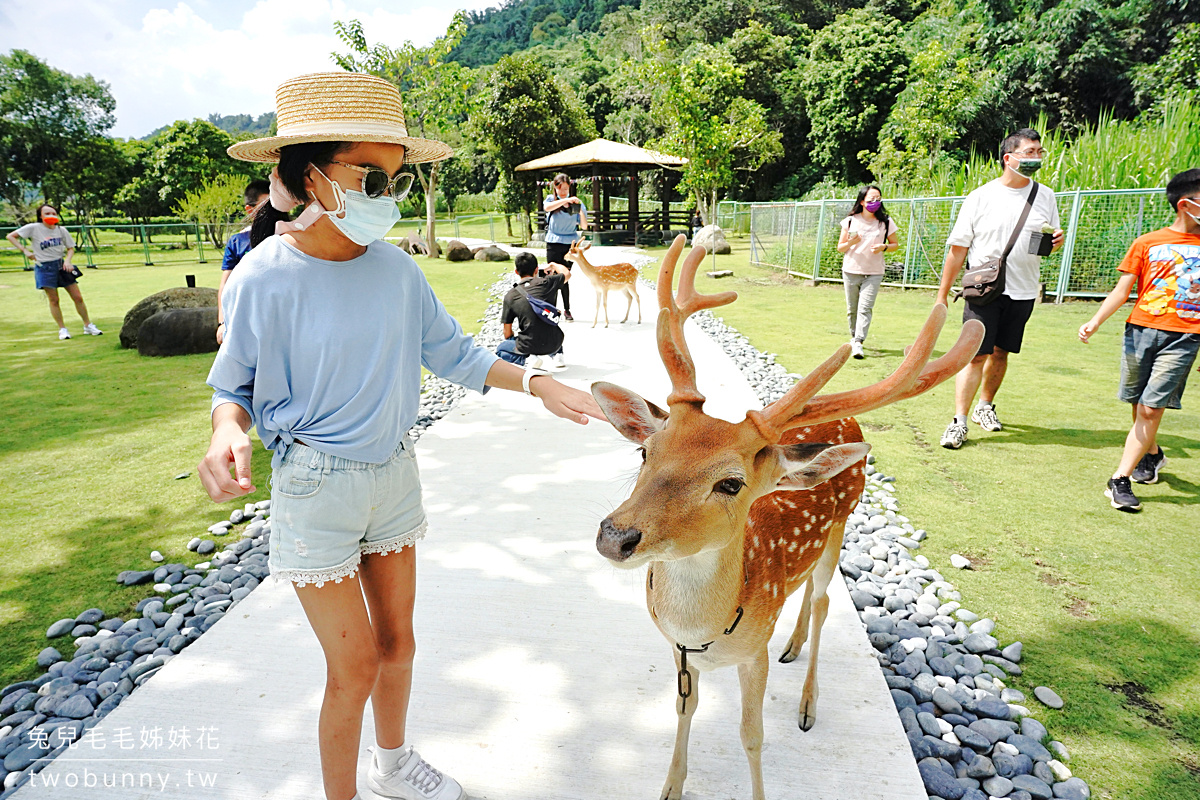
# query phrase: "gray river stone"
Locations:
[[90, 617], [1048, 697], [1036, 788], [22, 757], [938, 783], [1012, 652], [206, 546], [1072, 789], [60, 628], [1033, 729], [1030, 747], [47, 657], [77, 706]]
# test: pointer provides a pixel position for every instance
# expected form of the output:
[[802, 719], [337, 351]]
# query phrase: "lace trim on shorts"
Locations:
[[396, 543], [318, 577]]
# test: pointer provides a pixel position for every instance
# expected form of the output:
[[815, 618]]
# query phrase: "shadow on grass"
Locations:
[[1015, 433], [1122, 684]]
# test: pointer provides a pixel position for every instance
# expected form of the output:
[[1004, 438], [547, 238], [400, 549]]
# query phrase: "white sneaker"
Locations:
[[413, 779], [533, 362], [91, 330], [856, 349], [985, 417], [63, 333], [558, 362], [955, 435]]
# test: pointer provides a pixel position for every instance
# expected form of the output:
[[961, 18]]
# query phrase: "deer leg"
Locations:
[[638, 297], [628, 305], [606, 306], [753, 678], [685, 708], [800, 633], [599, 300], [820, 609]]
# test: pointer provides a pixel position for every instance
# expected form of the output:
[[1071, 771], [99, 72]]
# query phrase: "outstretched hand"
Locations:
[[564, 401]]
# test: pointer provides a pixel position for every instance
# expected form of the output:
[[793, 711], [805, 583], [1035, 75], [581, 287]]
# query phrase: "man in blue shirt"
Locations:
[[238, 245], [565, 215]]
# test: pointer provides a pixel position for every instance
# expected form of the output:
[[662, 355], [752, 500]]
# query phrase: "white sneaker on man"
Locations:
[[412, 779], [91, 330], [63, 333], [557, 361], [533, 362], [856, 349], [985, 417]]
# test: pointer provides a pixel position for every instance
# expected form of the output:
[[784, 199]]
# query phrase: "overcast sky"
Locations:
[[166, 60]]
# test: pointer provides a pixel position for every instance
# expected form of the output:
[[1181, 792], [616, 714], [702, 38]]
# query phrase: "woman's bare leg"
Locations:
[[339, 618], [55, 310], [389, 583]]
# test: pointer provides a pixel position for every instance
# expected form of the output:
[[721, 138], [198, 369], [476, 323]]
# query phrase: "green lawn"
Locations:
[[93, 437], [1106, 603]]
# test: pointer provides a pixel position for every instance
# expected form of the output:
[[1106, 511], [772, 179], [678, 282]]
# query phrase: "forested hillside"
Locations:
[[845, 91]]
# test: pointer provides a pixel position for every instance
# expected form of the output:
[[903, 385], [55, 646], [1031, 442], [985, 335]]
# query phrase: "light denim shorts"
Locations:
[[327, 512], [1155, 366]]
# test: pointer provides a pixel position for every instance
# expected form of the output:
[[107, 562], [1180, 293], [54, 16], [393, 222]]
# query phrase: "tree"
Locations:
[[43, 113], [943, 94], [434, 90], [527, 113], [214, 205], [138, 198], [187, 155], [707, 122], [856, 68], [88, 177], [1175, 76]]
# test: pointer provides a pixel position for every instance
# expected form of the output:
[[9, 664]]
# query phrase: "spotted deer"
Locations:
[[734, 518], [622, 277]]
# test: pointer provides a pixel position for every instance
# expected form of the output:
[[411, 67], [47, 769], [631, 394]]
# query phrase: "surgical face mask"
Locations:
[[361, 219], [1191, 203], [1026, 166], [873, 205], [49, 219]]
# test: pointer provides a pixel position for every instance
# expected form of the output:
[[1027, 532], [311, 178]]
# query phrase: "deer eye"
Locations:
[[729, 486]]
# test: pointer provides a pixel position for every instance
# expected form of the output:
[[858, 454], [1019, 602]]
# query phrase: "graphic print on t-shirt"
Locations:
[[1174, 281]]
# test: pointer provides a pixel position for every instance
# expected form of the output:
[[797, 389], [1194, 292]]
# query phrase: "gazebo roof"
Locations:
[[602, 151]]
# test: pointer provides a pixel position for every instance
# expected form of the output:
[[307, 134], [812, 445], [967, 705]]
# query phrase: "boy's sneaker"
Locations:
[[557, 361], [91, 330], [856, 349], [1120, 492], [985, 417], [63, 333], [533, 362], [955, 435], [413, 779], [1147, 469]]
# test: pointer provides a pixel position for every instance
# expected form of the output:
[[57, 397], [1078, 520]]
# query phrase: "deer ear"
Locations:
[[634, 418], [810, 465]]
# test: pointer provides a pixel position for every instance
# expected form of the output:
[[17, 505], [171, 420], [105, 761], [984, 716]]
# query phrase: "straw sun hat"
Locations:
[[339, 107]]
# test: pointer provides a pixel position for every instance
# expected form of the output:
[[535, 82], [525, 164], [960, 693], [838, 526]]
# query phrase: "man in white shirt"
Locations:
[[980, 234]]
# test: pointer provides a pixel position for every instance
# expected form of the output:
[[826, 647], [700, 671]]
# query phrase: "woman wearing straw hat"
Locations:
[[327, 328]]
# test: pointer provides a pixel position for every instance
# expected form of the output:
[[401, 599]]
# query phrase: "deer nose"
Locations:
[[617, 544]]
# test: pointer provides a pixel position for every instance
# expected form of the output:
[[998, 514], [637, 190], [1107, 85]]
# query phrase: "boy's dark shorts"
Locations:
[[51, 275], [1155, 366], [1003, 323]]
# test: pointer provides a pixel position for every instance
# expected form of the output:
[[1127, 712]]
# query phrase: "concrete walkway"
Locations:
[[539, 673]]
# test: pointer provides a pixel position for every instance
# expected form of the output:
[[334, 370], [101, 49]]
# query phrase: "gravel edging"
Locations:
[[971, 734]]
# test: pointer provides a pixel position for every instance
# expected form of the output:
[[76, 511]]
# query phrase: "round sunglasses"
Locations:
[[376, 183]]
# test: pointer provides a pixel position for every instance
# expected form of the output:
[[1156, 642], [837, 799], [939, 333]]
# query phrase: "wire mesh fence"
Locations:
[[801, 237], [126, 245]]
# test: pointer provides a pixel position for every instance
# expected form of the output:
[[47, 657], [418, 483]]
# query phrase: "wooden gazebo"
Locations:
[[607, 164]]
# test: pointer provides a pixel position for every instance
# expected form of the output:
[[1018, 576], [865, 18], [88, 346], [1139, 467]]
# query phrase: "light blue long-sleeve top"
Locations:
[[330, 352]]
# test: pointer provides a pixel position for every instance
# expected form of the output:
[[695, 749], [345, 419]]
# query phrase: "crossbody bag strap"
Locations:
[[1012, 240]]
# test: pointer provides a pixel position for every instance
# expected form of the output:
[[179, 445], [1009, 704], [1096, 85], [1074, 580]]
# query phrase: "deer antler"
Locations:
[[913, 376], [674, 309]]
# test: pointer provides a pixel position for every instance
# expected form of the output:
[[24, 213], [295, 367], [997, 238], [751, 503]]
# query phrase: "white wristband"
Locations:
[[529, 375]]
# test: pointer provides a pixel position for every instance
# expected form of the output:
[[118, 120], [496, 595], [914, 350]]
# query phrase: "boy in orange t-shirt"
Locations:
[[1162, 335]]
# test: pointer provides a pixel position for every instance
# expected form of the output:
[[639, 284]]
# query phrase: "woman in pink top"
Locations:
[[866, 235]]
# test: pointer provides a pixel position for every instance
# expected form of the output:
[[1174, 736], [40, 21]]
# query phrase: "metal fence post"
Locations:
[[820, 239], [492, 227], [200, 244], [457, 235], [787, 264], [908, 242], [87, 246], [1064, 271], [146, 246]]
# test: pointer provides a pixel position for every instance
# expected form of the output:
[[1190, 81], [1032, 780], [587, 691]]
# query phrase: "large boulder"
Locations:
[[492, 253], [457, 251], [198, 297], [179, 332], [711, 237]]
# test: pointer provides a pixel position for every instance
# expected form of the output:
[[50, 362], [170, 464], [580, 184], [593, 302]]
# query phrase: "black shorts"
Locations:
[[1003, 323], [556, 253]]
